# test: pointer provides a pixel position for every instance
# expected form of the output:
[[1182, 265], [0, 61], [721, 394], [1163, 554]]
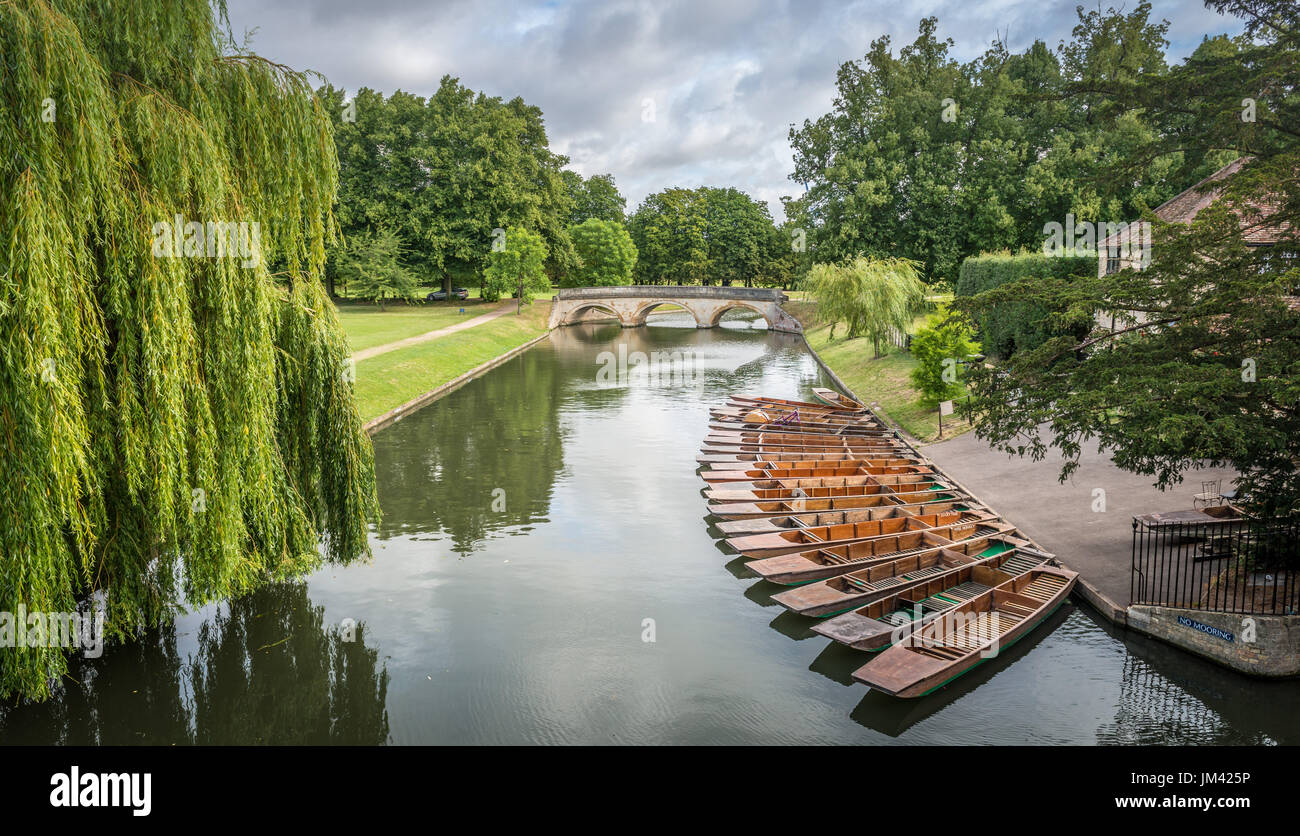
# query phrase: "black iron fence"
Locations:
[[1232, 565]]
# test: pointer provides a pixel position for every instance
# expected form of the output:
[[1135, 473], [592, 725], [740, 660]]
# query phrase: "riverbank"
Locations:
[[393, 381], [884, 383]]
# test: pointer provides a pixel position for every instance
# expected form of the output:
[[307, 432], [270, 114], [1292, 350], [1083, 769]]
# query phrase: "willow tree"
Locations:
[[875, 297], [176, 417]]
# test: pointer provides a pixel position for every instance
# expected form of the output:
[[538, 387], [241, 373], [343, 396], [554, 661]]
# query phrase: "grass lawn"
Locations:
[[884, 383], [390, 380], [367, 326]]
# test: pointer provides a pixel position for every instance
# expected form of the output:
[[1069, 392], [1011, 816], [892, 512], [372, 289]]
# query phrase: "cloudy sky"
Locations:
[[726, 77]]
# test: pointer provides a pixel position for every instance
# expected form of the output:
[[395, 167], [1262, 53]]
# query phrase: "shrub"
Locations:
[[1015, 326]]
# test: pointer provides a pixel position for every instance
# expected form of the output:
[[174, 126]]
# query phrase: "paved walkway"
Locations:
[[1060, 516], [504, 308]]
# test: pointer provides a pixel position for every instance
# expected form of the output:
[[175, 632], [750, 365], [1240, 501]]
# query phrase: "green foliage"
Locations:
[[874, 297], [934, 160], [702, 236], [596, 197], [941, 348], [607, 253], [175, 429], [446, 171], [1202, 365], [369, 263], [1014, 324], [520, 263]]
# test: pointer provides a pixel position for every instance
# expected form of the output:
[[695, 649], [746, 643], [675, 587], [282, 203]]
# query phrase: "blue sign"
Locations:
[[1205, 628]]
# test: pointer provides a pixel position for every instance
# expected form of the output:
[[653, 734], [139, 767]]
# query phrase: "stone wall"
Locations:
[[1260, 645]]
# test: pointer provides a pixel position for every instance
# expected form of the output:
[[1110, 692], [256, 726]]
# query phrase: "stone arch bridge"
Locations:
[[632, 304]]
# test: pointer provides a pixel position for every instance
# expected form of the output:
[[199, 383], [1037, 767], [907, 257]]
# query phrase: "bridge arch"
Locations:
[[741, 306], [639, 316], [575, 315], [631, 304]]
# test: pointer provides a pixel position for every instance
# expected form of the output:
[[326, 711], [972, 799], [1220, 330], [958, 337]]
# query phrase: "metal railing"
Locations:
[[1233, 565]]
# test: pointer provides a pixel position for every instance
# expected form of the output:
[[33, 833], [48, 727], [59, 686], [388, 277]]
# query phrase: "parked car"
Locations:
[[441, 295]]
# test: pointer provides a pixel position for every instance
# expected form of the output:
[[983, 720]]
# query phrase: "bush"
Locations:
[[940, 349], [1015, 326]]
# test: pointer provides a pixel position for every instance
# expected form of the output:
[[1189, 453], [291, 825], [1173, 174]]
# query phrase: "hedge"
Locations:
[[1015, 325]]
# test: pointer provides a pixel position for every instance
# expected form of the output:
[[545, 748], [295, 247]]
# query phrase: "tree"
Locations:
[[701, 236], [1203, 365], [517, 266], [443, 173], [177, 419], [928, 159], [942, 348], [596, 197], [370, 266], [607, 252], [875, 297]]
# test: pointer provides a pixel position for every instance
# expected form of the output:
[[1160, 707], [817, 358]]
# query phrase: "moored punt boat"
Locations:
[[779, 454], [904, 583], [884, 458], [967, 634], [779, 415], [729, 437], [874, 626], [834, 444], [742, 511], [803, 495], [862, 443], [837, 400], [800, 427], [810, 470], [789, 522], [829, 561], [751, 400], [883, 523]]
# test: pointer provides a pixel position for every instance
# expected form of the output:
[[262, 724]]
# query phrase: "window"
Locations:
[[1112, 259]]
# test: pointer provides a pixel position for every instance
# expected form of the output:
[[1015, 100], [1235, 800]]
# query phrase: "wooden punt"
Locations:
[[886, 458], [761, 509], [867, 446], [733, 437], [898, 577], [779, 415], [812, 470], [786, 454], [789, 522], [876, 625], [837, 400], [807, 491], [885, 522], [827, 562], [801, 427], [943, 649], [777, 418], [750, 400]]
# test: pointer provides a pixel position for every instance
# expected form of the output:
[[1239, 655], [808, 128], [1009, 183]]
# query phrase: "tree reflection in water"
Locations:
[[229, 690]]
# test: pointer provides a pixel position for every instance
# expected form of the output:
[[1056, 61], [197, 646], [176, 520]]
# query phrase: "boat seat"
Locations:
[[1019, 564]]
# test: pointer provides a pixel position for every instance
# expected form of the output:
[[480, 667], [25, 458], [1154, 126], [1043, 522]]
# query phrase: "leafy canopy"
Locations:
[[1202, 363], [942, 349], [518, 263], [874, 297], [173, 430], [369, 263], [607, 254]]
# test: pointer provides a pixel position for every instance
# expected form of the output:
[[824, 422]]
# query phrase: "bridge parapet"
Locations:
[[631, 304]]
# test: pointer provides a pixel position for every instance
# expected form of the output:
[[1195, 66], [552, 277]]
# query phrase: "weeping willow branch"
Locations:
[[176, 424]]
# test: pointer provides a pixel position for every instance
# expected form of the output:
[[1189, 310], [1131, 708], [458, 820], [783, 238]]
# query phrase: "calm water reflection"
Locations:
[[533, 521]]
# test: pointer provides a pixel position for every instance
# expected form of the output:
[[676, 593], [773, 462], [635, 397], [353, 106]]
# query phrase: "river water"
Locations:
[[540, 526]]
